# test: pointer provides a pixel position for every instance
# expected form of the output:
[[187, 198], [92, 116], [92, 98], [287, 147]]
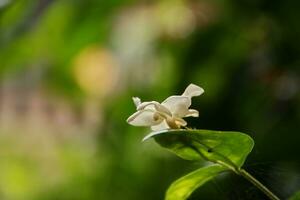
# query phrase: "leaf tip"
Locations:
[[154, 133]]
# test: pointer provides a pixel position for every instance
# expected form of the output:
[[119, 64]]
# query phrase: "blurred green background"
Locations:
[[68, 70]]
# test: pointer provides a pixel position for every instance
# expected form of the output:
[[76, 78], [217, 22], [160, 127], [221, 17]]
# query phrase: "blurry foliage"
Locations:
[[244, 53]]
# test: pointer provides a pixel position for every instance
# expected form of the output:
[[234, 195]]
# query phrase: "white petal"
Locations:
[[192, 113], [193, 90], [178, 105], [154, 105], [162, 126], [148, 105], [137, 101], [180, 122], [144, 118]]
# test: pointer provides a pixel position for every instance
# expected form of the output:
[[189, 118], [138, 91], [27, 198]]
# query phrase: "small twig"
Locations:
[[238, 171], [258, 184]]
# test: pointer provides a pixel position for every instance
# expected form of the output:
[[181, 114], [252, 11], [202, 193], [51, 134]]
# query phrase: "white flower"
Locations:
[[166, 115]]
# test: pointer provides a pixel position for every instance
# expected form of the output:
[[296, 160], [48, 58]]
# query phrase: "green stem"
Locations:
[[258, 184], [241, 172]]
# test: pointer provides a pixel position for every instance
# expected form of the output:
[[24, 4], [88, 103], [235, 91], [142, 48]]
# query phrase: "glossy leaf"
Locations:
[[227, 148], [183, 187]]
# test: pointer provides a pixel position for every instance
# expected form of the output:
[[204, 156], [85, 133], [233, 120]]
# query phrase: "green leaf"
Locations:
[[227, 148], [183, 187], [296, 196]]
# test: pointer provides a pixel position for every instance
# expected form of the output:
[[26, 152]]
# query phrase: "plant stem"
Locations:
[[258, 184], [241, 172]]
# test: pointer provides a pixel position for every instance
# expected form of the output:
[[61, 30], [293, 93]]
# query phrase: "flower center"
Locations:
[[172, 123]]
